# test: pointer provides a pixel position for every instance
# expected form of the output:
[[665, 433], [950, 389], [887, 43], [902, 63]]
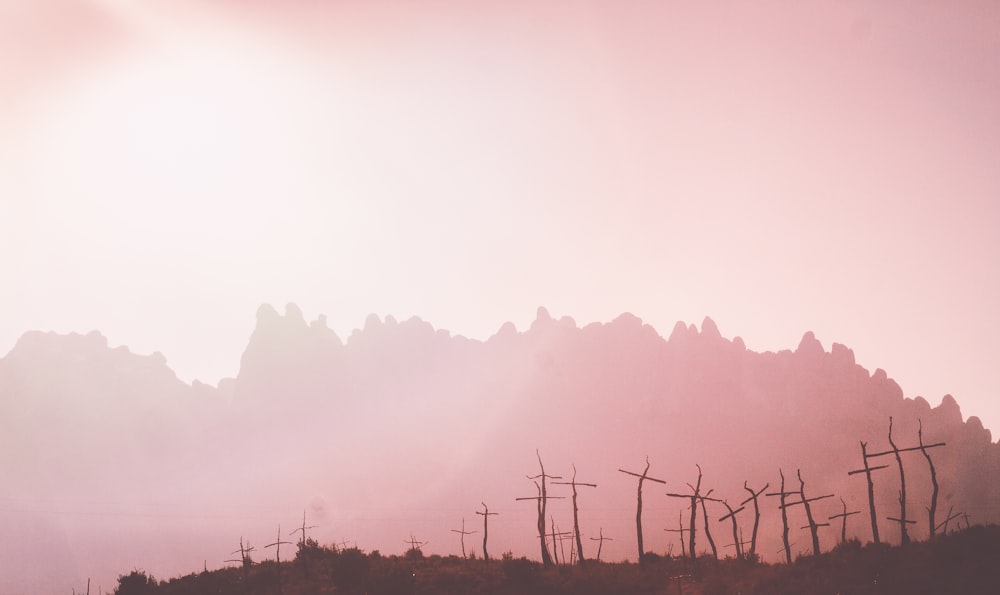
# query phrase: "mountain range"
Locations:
[[111, 463]]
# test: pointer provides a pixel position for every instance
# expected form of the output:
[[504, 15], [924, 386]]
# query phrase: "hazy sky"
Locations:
[[168, 166]]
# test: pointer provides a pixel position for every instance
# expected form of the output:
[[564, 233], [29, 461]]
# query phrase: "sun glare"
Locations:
[[165, 150]]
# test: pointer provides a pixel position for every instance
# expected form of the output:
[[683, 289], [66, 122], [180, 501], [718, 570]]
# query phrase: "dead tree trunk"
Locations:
[[871, 488], [576, 516], [638, 509], [756, 516], [486, 527], [934, 482]]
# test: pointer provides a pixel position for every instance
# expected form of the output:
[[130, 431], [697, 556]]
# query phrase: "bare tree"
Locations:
[[638, 509], [756, 515], [486, 527], [576, 517]]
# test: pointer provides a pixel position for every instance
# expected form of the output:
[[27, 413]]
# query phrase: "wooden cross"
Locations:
[[542, 502], [486, 527], [638, 509], [462, 535], [782, 494], [737, 541], [680, 530], [756, 514], [277, 554], [540, 499], [302, 544], [245, 560], [902, 519], [600, 543], [576, 519], [844, 515], [414, 544], [556, 535], [871, 488]]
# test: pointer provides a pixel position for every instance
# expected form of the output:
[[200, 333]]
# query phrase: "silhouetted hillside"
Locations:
[[403, 429], [963, 562]]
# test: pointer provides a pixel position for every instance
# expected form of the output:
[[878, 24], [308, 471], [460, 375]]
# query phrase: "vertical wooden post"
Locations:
[[462, 533], [812, 524], [871, 488], [277, 555], [680, 530], [486, 527], [542, 501], [600, 542], [638, 509], [756, 515], [844, 515], [576, 518], [708, 532], [694, 496], [903, 535], [245, 559], [737, 541], [934, 494], [302, 544], [782, 494], [414, 544]]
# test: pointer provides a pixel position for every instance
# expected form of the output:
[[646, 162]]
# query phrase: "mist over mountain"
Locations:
[[111, 463]]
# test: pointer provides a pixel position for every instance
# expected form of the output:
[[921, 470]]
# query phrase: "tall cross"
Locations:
[[462, 533], [638, 508], [486, 527]]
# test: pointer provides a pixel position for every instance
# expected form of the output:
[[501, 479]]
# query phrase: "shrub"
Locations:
[[136, 582], [349, 568]]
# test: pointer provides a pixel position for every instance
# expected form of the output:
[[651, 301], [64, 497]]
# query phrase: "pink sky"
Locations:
[[168, 166]]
